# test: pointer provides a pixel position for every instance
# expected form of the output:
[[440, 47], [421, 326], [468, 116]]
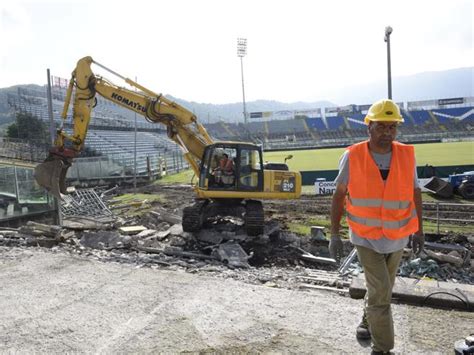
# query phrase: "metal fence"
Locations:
[[453, 213]]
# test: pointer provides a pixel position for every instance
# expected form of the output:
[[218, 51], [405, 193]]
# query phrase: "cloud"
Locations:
[[14, 32]]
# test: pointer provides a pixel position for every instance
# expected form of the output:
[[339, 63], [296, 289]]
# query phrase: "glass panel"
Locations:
[[249, 168], [20, 194], [204, 168]]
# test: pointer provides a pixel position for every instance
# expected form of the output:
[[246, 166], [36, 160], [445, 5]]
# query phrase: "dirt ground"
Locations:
[[53, 302], [56, 301]]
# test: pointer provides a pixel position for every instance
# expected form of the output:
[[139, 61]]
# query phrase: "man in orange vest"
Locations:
[[378, 183], [225, 168]]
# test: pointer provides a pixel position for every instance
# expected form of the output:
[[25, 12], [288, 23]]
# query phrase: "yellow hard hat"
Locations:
[[384, 110]]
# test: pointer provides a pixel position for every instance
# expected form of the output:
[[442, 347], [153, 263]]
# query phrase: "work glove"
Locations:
[[417, 242], [335, 247]]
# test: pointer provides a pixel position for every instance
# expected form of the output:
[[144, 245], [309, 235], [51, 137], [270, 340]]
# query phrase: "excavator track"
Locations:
[[254, 217], [193, 217]]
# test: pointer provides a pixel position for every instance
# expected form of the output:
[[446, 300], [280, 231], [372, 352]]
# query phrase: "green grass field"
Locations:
[[436, 154]]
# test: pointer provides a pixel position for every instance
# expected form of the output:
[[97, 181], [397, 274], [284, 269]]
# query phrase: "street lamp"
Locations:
[[388, 32], [241, 53]]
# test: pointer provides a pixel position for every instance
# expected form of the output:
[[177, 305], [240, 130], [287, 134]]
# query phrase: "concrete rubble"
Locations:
[[156, 239]]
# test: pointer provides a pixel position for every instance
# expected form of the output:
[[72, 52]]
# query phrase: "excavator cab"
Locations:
[[231, 166]]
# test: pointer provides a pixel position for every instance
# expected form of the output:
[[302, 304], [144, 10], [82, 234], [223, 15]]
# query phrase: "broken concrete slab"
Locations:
[[177, 241], [445, 258], [431, 293], [148, 249], [41, 242], [305, 255], [178, 252], [209, 236], [39, 229], [176, 229], [325, 288], [162, 234], [444, 247], [146, 233], [9, 233], [166, 216], [67, 234], [233, 255], [84, 223], [105, 240], [132, 230]]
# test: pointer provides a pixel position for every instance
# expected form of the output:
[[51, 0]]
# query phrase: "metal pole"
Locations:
[[242, 52], [135, 154], [388, 32], [243, 88], [17, 188], [58, 218], [52, 132], [389, 69], [437, 216]]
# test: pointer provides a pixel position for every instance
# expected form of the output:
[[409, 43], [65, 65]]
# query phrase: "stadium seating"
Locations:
[[335, 122], [420, 116], [447, 114], [111, 131], [316, 123], [356, 120]]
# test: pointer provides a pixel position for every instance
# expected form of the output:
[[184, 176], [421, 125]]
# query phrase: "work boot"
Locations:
[[362, 331]]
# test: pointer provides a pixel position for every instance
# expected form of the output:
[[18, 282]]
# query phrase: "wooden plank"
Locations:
[[431, 293]]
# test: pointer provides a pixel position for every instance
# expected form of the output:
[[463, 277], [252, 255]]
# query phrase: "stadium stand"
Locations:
[[464, 114], [335, 122], [111, 131], [420, 117], [316, 124], [112, 127], [356, 121]]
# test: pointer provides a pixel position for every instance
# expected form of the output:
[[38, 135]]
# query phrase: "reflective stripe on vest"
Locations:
[[376, 202], [373, 222]]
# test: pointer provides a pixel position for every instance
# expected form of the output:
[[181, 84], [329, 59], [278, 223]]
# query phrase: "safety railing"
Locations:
[[452, 213]]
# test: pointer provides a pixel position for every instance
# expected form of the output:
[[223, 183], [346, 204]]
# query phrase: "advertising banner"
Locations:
[[328, 187], [452, 101]]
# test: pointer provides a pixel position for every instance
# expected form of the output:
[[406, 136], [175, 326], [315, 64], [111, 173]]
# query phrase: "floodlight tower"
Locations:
[[388, 32], [241, 53]]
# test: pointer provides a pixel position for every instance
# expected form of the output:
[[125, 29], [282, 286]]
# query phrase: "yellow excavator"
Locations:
[[234, 187]]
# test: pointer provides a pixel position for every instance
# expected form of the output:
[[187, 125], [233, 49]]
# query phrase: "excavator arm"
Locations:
[[181, 124]]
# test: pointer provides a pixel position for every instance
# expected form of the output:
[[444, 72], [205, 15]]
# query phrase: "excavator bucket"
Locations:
[[51, 174], [439, 187]]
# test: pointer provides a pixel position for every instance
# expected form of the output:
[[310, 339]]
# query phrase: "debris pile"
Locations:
[[448, 261], [150, 235]]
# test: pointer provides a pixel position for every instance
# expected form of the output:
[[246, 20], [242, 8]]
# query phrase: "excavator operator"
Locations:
[[224, 173]]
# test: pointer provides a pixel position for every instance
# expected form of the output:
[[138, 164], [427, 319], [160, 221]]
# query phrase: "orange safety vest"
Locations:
[[376, 209], [226, 165]]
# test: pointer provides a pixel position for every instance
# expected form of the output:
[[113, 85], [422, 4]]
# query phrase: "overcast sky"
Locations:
[[297, 50]]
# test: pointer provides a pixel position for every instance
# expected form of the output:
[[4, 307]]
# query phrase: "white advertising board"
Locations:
[[328, 187]]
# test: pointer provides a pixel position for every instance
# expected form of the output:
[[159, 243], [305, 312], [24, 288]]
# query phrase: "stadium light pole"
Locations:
[[135, 151], [388, 32], [241, 53]]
